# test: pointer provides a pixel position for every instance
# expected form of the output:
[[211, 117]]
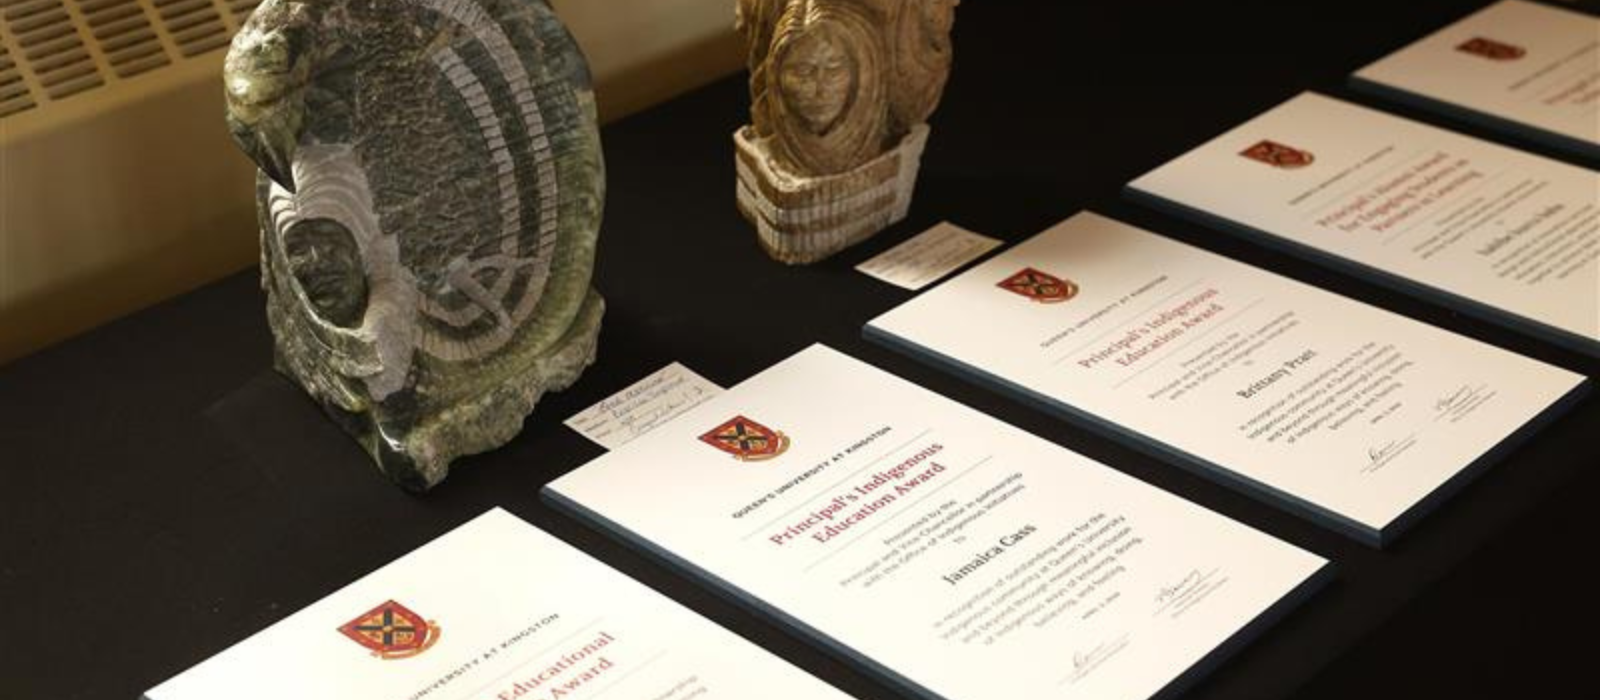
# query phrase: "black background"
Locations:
[[163, 494]]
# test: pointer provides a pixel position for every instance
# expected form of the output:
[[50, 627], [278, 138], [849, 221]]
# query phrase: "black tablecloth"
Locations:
[[164, 494]]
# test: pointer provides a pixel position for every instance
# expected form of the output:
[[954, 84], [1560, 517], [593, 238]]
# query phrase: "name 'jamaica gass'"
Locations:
[[848, 509], [980, 559], [574, 671]]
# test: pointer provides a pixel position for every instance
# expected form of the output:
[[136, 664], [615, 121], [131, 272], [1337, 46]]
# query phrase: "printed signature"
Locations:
[[1379, 455], [1454, 399], [1084, 662], [1168, 593]]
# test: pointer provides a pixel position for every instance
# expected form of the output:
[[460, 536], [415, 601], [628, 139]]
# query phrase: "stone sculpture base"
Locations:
[[414, 441], [802, 219]]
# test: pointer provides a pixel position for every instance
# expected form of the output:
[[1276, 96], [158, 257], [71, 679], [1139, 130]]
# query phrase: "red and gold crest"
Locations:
[[746, 439], [1039, 286], [1491, 49], [1278, 155], [392, 631]]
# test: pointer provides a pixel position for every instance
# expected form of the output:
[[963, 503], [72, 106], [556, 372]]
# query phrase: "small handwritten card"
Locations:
[[929, 255], [638, 409]]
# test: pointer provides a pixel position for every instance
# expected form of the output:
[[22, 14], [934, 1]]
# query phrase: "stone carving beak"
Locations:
[[272, 149], [265, 75], [266, 132]]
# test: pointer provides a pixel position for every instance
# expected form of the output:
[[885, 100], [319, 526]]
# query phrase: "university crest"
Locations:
[[1491, 49], [392, 631], [1039, 286], [1278, 155], [746, 439]]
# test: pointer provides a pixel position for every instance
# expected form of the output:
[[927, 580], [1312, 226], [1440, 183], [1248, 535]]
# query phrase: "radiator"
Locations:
[[118, 183]]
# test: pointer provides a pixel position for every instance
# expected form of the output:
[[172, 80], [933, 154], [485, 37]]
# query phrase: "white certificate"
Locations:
[[957, 556], [494, 610], [1329, 407], [1518, 63], [1494, 231]]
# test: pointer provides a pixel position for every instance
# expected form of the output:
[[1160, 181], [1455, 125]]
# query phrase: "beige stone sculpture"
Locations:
[[840, 94]]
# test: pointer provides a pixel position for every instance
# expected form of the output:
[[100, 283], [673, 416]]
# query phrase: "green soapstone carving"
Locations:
[[430, 196]]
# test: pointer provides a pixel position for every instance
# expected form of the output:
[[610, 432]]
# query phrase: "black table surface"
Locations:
[[164, 494]]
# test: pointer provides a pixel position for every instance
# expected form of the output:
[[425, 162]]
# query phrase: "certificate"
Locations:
[[494, 610], [1520, 66], [947, 552], [1354, 416], [1509, 236]]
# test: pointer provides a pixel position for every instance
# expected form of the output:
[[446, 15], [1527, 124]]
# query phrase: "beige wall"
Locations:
[[646, 51], [115, 199]]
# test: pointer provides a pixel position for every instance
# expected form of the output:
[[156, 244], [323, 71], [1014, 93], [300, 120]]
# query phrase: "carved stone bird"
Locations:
[[430, 195]]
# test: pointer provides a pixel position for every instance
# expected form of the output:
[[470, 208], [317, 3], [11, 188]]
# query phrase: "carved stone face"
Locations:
[[817, 78], [840, 94], [326, 261]]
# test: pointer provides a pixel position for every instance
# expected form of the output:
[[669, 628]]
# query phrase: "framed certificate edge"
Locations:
[[749, 602], [1240, 638], [1587, 154], [1534, 328], [1376, 536]]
